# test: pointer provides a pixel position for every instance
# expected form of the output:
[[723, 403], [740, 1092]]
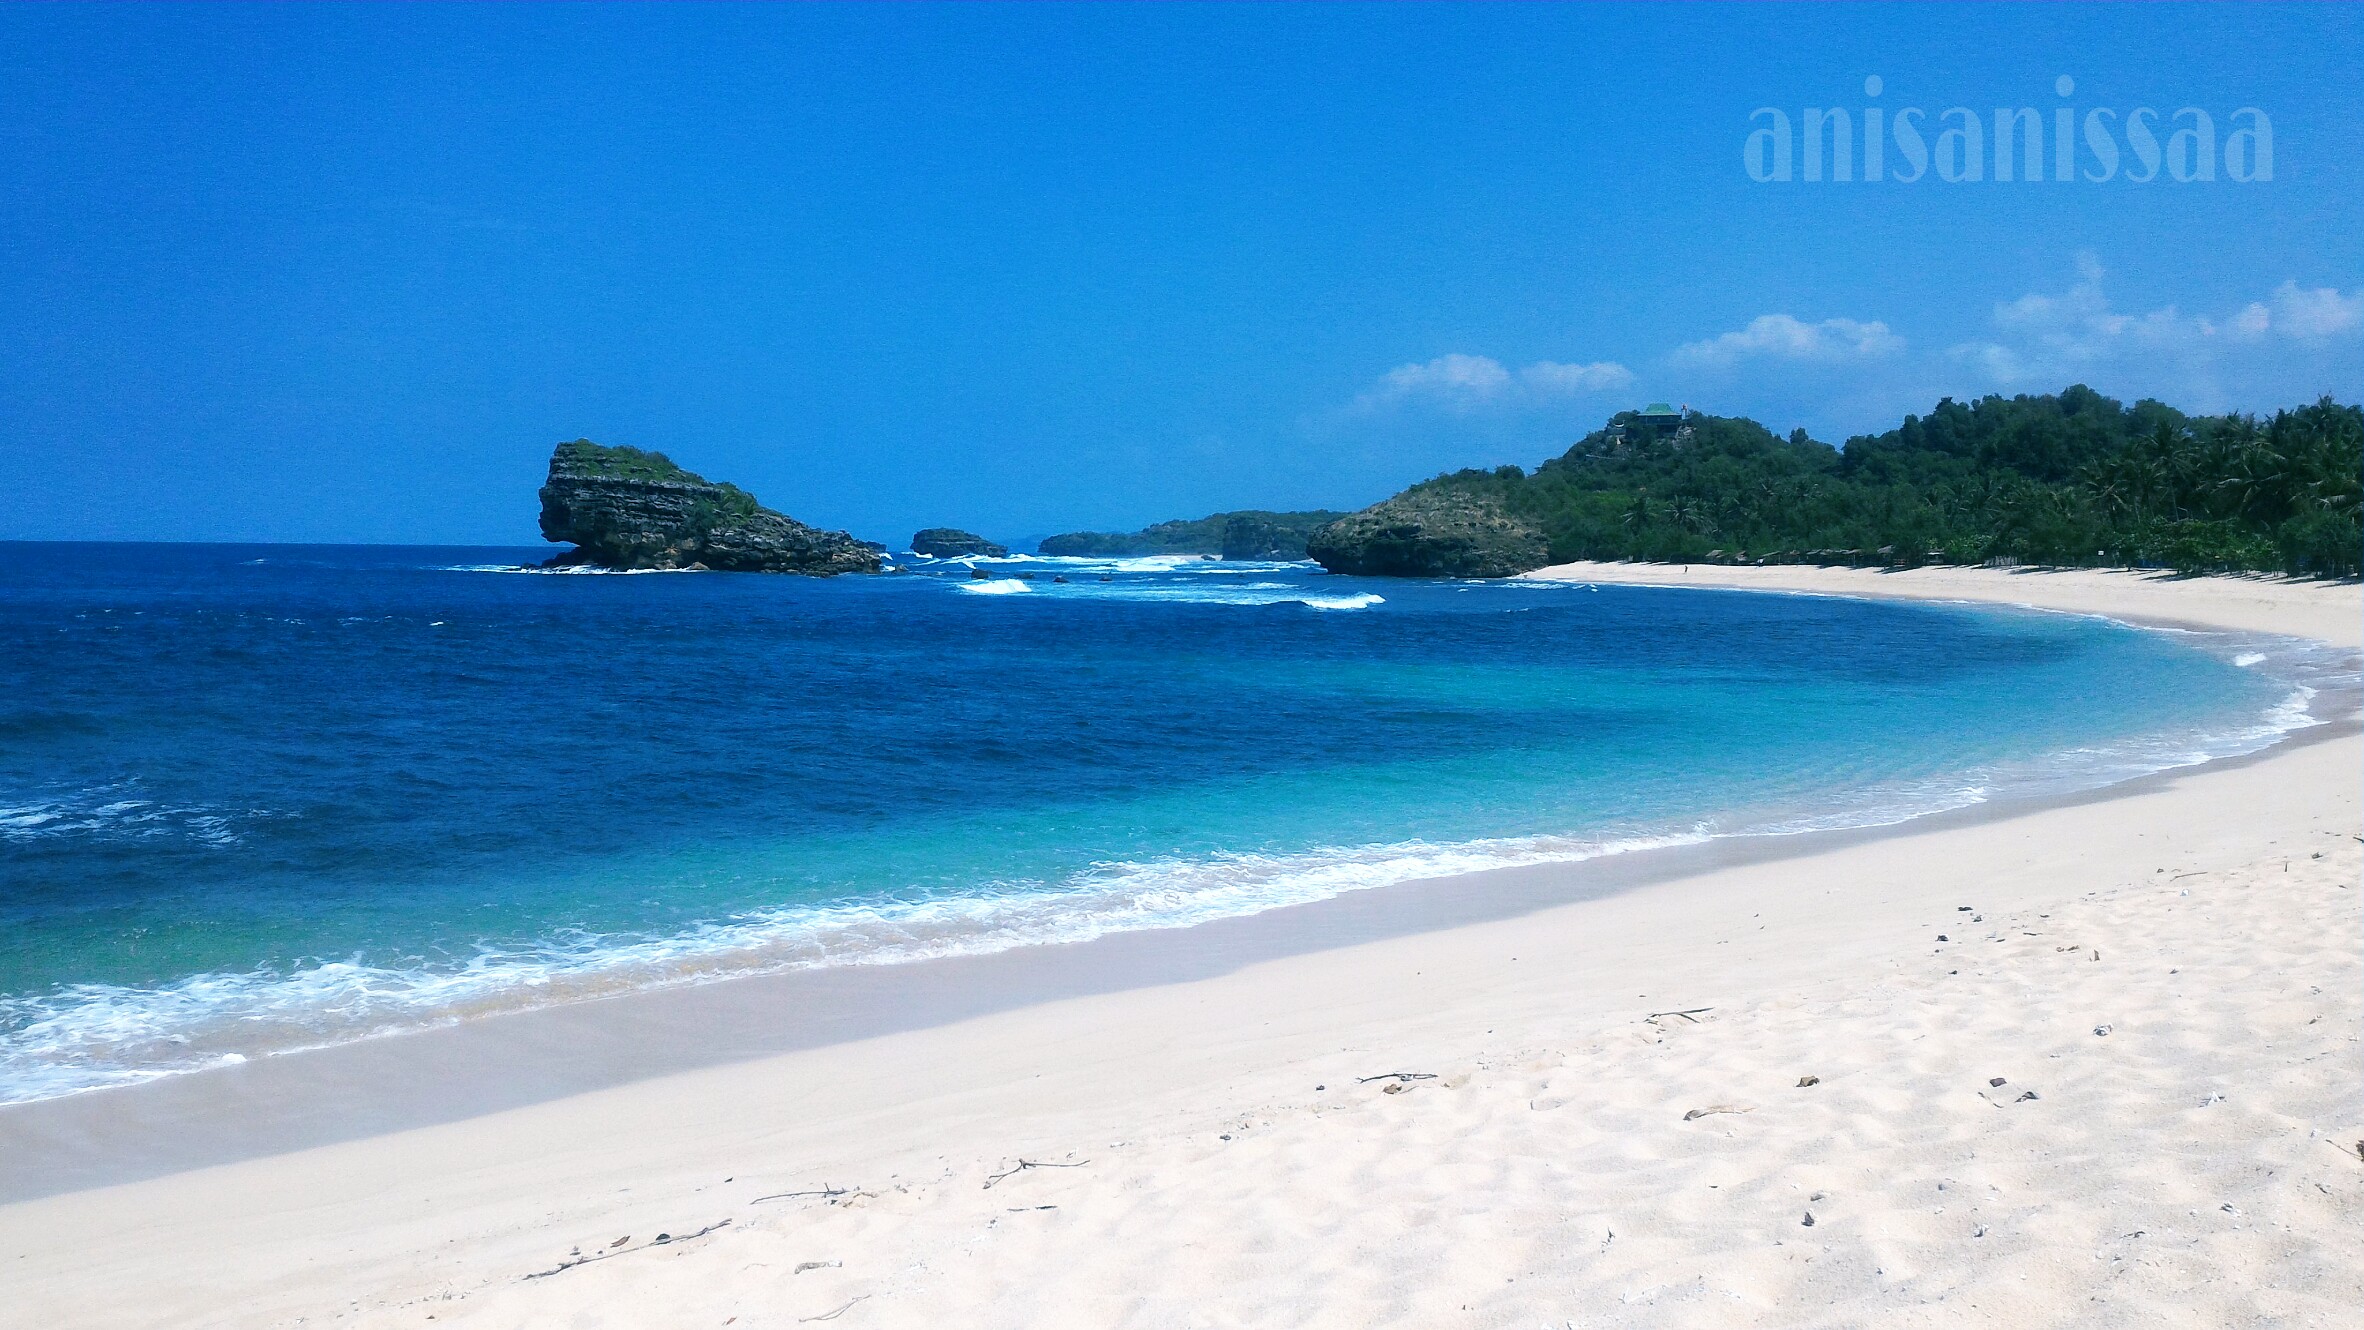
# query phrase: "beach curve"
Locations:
[[1548, 1166]]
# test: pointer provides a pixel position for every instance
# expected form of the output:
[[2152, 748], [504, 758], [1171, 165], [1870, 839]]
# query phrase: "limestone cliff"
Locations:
[[1430, 532], [625, 508]]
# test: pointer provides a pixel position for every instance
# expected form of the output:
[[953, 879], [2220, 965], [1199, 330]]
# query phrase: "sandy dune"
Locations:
[[2168, 984]]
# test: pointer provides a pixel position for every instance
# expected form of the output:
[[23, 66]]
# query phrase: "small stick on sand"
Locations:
[[661, 1240], [823, 1192], [830, 1316], [1691, 1015], [1404, 1077], [1025, 1164]]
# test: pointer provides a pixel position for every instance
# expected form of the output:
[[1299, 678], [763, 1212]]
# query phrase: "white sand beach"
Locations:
[[2094, 1064]]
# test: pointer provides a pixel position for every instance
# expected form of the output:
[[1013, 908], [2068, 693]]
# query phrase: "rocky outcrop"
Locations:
[[944, 542], [624, 508], [1251, 534], [1431, 532]]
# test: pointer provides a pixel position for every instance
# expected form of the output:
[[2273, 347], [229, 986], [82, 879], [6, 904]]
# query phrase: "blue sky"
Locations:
[[346, 274]]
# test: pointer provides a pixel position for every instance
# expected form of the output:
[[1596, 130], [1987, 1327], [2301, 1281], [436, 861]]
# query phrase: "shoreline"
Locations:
[[505, 1059], [745, 960], [1300, 978], [510, 1060], [2247, 602]]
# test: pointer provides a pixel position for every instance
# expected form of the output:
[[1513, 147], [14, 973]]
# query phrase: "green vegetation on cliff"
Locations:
[[1431, 531], [619, 461], [584, 459], [1250, 534], [2074, 479]]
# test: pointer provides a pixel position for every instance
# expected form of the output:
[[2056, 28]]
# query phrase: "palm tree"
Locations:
[[2256, 478], [1639, 514], [1690, 514]]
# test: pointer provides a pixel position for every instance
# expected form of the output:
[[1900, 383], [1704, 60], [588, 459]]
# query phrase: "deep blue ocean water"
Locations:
[[262, 798]]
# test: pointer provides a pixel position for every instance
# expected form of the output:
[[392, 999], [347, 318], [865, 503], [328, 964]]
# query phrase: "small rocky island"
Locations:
[[1429, 531], [945, 542], [628, 509]]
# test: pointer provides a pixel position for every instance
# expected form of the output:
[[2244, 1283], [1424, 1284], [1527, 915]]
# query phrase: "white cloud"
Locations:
[[1551, 376], [1454, 377], [1455, 373], [1464, 382], [2053, 339], [2320, 313], [1781, 337]]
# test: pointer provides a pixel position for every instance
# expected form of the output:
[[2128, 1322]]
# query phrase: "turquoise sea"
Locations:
[[255, 799]]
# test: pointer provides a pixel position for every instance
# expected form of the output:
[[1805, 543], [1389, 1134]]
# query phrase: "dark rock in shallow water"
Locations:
[[624, 508], [1431, 532], [944, 542]]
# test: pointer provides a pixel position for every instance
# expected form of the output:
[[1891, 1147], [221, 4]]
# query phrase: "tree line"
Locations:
[[2074, 479]]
